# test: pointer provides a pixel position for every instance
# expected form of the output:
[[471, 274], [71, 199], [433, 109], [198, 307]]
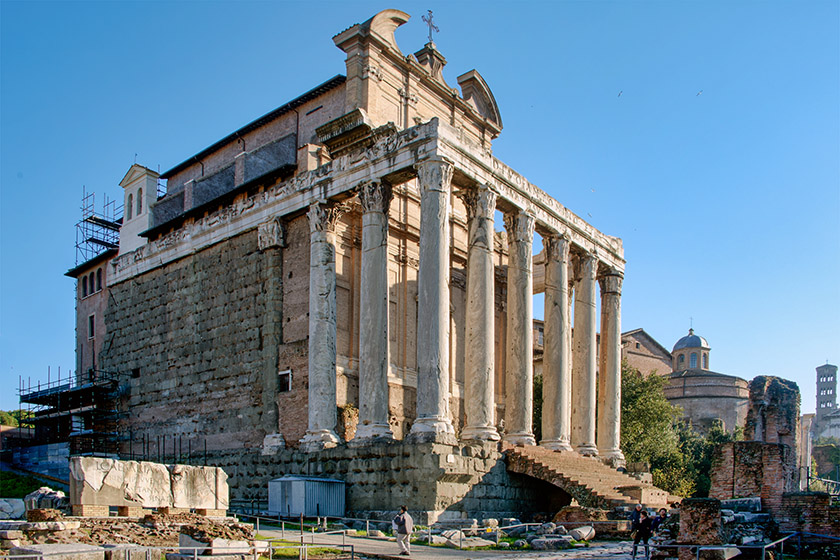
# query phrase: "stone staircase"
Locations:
[[586, 479]]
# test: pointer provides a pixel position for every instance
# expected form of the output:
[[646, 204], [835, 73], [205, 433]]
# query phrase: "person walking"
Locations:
[[643, 532], [403, 526]]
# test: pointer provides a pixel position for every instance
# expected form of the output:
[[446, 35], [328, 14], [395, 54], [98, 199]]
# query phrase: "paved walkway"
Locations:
[[387, 549]]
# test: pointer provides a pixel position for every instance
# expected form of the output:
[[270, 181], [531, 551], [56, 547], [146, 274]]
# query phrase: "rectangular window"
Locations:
[[91, 330], [284, 381]]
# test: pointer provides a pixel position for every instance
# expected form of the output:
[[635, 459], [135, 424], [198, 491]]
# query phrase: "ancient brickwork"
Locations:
[[700, 523], [773, 415], [744, 469], [810, 512], [200, 338]]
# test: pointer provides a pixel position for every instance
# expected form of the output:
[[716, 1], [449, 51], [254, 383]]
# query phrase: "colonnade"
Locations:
[[570, 413]]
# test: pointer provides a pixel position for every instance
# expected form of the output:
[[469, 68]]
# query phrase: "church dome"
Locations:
[[691, 341]]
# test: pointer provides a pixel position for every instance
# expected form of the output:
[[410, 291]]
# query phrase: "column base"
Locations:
[[587, 450], [373, 431], [481, 433], [520, 439], [316, 440], [432, 429], [613, 457], [556, 444]]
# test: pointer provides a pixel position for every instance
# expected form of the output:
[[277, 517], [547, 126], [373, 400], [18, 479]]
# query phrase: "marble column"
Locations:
[[479, 391], [583, 366], [375, 197], [557, 353], [519, 371], [322, 390], [433, 422], [609, 376]]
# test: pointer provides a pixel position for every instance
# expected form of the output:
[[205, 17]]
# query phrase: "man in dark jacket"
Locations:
[[643, 532]]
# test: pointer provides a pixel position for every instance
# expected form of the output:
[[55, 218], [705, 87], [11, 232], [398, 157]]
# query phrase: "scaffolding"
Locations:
[[83, 410], [97, 232]]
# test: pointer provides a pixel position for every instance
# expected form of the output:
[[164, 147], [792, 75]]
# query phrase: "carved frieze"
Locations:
[[271, 234]]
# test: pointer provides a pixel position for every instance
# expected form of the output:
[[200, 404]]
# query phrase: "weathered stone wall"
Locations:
[[440, 481], [810, 512], [700, 523], [744, 469], [773, 415], [200, 337]]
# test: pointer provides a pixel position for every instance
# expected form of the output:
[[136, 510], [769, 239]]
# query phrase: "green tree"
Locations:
[[10, 417]]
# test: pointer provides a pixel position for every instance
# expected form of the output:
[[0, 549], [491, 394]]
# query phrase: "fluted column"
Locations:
[[609, 376], [433, 422], [519, 373], [375, 197], [479, 393], [322, 399], [583, 366], [557, 353]]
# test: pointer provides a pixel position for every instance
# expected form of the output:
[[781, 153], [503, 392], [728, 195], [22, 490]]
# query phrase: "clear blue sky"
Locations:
[[728, 202]]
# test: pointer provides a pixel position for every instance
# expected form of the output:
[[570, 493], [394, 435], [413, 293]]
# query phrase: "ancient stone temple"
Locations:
[[324, 292]]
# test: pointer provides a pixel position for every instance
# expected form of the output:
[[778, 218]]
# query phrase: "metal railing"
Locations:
[[254, 551]]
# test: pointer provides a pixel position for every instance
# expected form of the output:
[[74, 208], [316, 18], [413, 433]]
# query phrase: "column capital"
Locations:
[[585, 266], [324, 216], [557, 247], [375, 196], [520, 226], [435, 175], [480, 201], [611, 282]]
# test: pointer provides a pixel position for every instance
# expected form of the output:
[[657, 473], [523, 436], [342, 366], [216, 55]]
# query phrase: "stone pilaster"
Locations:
[[583, 366], [519, 373], [479, 393], [375, 197], [557, 353], [609, 374], [433, 422], [322, 387]]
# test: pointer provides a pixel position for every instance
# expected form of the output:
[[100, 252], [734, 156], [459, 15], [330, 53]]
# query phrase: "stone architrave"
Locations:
[[583, 366], [557, 353], [519, 391], [609, 376], [479, 394], [433, 422], [323, 414], [375, 197]]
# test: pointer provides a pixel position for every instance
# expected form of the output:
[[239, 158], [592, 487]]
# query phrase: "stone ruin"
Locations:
[[96, 484]]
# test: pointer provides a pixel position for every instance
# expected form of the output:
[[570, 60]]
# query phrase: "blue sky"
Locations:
[[728, 202]]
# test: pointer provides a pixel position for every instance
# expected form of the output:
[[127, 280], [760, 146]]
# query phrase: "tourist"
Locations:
[[659, 520], [403, 526], [635, 516], [643, 531]]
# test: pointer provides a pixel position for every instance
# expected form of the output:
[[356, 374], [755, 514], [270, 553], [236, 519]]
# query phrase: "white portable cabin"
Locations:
[[292, 496]]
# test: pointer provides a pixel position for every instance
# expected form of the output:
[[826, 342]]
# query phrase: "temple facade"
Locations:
[[328, 281]]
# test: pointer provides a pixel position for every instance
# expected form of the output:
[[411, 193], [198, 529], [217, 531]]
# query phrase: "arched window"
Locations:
[[139, 201], [90, 281], [693, 360], [98, 279], [84, 286], [705, 361], [681, 360], [130, 205]]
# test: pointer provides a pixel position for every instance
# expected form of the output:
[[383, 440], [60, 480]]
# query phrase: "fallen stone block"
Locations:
[[12, 508], [60, 551], [520, 543], [7, 544], [586, 533], [546, 529], [130, 552], [46, 498], [752, 505], [11, 534], [212, 547], [552, 543]]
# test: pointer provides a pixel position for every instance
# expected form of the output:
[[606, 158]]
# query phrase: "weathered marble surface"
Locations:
[[583, 372], [100, 481]]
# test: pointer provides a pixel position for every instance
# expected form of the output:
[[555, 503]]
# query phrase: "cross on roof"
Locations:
[[432, 26]]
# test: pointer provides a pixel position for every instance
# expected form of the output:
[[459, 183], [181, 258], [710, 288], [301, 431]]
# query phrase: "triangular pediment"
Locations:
[[135, 173]]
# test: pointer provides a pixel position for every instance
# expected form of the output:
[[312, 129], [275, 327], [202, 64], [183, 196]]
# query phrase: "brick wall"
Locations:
[[810, 512], [700, 523], [744, 469]]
